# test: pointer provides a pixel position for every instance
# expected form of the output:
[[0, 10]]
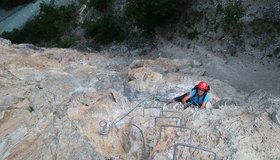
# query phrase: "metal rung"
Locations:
[[181, 127], [167, 118], [144, 153], [172, 112], [181, 115], [190, 146], [161, 109]]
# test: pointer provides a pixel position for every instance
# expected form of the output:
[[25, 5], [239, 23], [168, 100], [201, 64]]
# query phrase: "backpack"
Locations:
[[195, 88]]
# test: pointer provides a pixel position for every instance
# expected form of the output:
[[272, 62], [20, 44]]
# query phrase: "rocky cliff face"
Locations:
[[67, 104], [257, 37]]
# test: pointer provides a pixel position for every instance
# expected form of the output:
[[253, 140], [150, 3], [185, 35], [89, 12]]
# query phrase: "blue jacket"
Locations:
[[194, 98]]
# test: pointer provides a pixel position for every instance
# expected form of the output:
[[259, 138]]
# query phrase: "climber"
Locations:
[[198, 96]]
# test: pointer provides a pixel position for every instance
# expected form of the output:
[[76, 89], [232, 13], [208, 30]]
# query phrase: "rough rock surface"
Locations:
[[96, 106]]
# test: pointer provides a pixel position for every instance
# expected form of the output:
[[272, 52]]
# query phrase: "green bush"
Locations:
[[67, 42], [47, 27], [193, 34], [147, 14], [9, 4], [232, 14], [105, 30], [101, 5], [30, 108]]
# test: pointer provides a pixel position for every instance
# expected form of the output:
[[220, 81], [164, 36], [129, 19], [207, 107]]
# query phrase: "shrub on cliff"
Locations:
[[105, 30], [147, 14], [47, 27], [100, 5], [232, 14]]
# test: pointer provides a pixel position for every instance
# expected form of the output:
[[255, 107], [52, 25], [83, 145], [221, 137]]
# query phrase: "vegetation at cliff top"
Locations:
[[46, 28]]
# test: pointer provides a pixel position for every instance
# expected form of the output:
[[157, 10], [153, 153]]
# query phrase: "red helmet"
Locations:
[[203, 85]]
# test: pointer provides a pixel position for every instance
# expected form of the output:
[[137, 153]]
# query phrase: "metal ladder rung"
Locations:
[[191, 146], [181, 127], [167, 118]]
